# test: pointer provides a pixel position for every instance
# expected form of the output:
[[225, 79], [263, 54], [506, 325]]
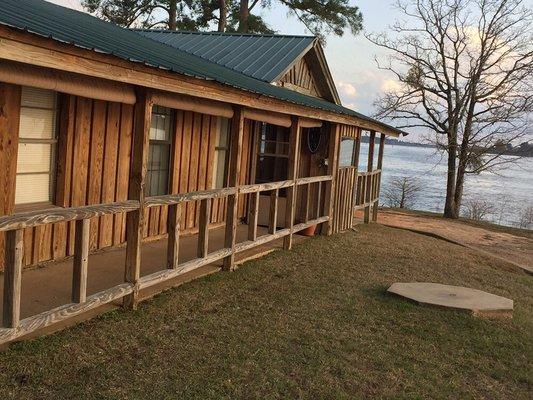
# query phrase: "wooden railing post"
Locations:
[[273, 215], [237, 129], [292, 174], [135, 219], [81, 260], [203, 228], [369, 168], [378, 177], [12, 278], [333, 157], [253, 214], [173, 245]]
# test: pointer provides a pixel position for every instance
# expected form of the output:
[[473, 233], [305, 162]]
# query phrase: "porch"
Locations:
[[49, 286], [37, 299]]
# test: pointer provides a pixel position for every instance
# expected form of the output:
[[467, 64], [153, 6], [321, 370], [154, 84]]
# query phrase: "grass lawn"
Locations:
[[312, 323]]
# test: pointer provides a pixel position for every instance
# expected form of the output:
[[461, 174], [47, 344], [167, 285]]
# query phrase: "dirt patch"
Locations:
[[517, 250]]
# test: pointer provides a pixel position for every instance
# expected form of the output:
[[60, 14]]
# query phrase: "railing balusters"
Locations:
[[173, 245], [14, 245], [253, 214], [307, 201], [318, 200], [273, 216], [203, 228], [81, 261]]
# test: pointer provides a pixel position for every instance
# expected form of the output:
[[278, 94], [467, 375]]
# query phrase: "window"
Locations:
[[35, 179], [157, 172], [273, 153], [346, 157], [221, 154]]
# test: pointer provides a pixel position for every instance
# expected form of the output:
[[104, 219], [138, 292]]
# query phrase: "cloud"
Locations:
[[347, 90], [390, 85]]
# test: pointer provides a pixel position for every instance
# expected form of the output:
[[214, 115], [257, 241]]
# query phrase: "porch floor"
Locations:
[[49, 286]]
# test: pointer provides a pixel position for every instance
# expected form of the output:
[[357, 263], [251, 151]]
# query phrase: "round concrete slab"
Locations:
[[458, 297]]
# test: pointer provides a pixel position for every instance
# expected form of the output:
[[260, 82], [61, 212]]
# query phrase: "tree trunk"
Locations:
[[449, 205], [172, 15], [244, 13], [223, 15]]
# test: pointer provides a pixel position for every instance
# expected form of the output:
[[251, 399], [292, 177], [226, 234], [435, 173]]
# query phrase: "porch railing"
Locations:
[[367, 187], [14, 327]]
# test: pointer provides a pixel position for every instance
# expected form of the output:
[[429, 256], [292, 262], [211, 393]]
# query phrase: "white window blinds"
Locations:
[[37, 145]]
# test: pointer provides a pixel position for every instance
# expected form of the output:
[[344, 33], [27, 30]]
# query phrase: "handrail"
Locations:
[[313, 179], [52, 215], [374, 172], [169, 199]]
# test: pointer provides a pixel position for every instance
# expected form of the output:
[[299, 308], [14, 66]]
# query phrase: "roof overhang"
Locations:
[[33, 49]]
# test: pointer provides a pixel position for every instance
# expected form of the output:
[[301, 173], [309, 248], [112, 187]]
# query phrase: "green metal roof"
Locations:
[[85, 31], [263, 57]]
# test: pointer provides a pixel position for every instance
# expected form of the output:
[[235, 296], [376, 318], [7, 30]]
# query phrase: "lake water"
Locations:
[[509, 191]]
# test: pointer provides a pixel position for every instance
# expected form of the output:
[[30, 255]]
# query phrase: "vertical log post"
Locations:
[[378, 177], [135, 219], [203, 228], [292, 174], [333, 157], [12, 278], [369, 168], [81, 260], [253, 214], [237, 129], [273, 215], [173, 245]]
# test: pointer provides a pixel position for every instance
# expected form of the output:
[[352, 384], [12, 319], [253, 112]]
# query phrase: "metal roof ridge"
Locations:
[[215, 33]]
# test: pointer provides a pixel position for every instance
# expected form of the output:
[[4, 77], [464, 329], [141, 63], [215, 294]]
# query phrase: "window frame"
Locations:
[[53, 143], [219, 149], [169, 143], [262, 142]]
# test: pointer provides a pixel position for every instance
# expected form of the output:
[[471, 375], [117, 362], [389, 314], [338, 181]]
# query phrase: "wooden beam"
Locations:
[[13, 278], [81, 261], [54, 215], [27, 48], [253, 214], [333, 162], [369, 168], [378, 177], [173, 245], [273, 215], [236, 138], [203, 228], [135, 219], [292, 174]]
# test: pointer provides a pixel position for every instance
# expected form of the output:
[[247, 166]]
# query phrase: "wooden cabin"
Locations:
[[111, 138]]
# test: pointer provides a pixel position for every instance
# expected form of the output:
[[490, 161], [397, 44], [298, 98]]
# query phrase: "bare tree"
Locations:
[[465, 72], [402, 192], [478, 209], [526, 218]]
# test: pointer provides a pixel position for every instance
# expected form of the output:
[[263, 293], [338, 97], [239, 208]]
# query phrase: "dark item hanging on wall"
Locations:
[[314, 137]]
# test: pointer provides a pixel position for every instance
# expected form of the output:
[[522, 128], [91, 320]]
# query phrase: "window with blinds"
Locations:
[[158, 169], [35, 179], [221, 154]]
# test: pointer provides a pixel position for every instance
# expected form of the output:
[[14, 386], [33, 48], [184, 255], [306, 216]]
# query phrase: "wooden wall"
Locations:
[[193, 160], [301, 79], [93, 162]]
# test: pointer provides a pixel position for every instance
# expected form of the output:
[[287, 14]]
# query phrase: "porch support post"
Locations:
[[378, 177], [13, 278], [237, 129], [369, 168], [292, 174], [135, 219], [333, 158]]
